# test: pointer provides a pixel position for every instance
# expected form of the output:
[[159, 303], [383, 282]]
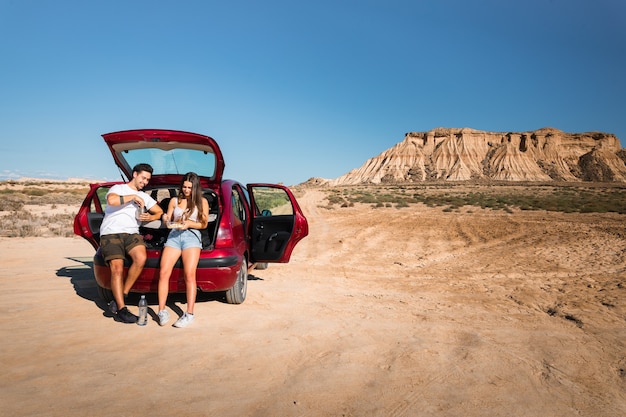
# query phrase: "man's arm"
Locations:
[[114, 199], [155, 212]]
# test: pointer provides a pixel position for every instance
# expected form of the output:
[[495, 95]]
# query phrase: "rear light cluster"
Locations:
[[224, 238]]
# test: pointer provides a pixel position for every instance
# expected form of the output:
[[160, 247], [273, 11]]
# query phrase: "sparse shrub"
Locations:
[[15, 221], [561, 198], [12, 202]]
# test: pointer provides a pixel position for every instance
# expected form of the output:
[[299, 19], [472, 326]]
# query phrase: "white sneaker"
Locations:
[[164, 317], [184, 320]]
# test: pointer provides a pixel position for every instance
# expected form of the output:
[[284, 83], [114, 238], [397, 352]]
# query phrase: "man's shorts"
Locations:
[[117, 245], [184, 239]]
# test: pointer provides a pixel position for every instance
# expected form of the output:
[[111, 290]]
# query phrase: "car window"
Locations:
[[174, 161], [238, 207], [101, 193], [272, 201], [246, 195]]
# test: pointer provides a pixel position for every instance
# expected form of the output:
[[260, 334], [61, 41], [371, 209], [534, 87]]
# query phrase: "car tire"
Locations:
[[237, 294], [105, 294]]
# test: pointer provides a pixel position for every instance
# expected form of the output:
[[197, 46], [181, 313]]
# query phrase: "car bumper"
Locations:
[[215, 273]]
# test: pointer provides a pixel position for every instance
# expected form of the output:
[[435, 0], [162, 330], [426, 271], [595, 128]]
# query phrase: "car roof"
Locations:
[[171, 153]]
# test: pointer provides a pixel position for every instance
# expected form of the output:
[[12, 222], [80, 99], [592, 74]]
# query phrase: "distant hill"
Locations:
[[461, 154], [22, 180]]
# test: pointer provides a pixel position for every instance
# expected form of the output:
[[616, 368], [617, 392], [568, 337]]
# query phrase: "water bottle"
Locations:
[[143, 311]]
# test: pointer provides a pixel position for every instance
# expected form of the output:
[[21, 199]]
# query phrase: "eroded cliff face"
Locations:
[[449, 154]]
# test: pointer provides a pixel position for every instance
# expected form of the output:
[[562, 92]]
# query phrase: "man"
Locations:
[[119, 235]]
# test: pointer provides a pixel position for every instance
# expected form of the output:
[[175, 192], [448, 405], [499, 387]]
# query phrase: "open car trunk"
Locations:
[[155, 232]]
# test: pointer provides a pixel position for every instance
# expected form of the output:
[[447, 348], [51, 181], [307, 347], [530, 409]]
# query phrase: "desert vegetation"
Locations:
[[566, 198], [39, 208]]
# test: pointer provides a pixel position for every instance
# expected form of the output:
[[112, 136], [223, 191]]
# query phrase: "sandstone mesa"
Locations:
[[461, 154]]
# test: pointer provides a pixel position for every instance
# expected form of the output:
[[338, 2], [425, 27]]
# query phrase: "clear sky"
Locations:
[[298, 89]]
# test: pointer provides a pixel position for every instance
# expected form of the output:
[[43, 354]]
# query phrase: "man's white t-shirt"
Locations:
[[122, 219]]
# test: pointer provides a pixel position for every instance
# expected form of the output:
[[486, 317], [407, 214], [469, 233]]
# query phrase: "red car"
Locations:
[[248, 225]]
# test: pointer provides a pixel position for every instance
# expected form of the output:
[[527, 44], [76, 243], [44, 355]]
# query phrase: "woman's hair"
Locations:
[[196, 195]]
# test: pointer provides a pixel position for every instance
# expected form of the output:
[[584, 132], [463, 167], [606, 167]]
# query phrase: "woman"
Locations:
[[190, 213]]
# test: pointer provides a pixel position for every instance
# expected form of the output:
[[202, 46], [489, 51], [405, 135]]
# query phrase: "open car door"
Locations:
[[278, 223], [89, 217]]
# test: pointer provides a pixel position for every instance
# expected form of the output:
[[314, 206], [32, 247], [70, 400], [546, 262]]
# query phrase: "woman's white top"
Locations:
[[178, 212]]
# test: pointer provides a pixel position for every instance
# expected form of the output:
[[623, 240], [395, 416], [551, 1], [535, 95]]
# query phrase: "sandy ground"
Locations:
[[381, 312]]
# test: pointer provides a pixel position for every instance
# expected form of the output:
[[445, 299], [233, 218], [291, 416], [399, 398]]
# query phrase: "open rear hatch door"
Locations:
[[171, 154]]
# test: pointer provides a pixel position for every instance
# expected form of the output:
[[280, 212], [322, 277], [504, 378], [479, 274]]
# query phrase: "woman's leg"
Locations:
[[168, 258], [190, 264]]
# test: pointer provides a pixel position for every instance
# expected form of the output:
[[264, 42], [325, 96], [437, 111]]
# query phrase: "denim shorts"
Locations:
[[184, 239]]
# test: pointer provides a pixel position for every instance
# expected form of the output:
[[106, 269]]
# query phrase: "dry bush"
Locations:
[[16, 221], [567, 198], [25, 224], [12, 202]]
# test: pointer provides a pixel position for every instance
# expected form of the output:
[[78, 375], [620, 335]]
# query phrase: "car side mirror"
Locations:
[[266, 212]]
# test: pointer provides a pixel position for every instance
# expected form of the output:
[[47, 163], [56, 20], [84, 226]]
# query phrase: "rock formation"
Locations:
[[448, 154]]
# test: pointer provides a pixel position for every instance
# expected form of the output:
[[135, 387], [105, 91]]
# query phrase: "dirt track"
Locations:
[[381, 312]]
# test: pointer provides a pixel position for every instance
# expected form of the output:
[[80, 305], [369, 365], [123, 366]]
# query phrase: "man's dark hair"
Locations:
[[143, 167]]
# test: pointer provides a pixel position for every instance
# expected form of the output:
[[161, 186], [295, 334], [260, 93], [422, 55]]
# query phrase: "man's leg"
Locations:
[[138, 255], [117, 275]]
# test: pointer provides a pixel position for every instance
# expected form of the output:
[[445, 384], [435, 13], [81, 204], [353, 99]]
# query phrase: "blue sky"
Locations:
[[291, 89]]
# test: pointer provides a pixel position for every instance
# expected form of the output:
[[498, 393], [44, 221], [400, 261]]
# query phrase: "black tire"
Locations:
[[105, 294], [237, 294]]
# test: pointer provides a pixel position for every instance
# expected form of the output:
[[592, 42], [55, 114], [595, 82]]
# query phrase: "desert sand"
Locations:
[[381, 312]]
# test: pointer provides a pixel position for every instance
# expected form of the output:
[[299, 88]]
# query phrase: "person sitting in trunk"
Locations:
[[186, 215], [127, 206]]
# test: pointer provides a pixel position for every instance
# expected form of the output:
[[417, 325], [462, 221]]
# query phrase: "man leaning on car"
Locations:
[[119, 235]]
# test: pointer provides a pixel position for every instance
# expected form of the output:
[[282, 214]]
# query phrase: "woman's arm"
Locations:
[[204, 219], [170, 210]]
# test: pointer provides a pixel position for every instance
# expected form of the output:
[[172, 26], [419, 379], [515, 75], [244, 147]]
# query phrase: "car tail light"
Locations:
[[224, 238]]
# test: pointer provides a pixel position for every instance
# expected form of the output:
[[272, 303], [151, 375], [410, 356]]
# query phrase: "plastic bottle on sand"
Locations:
[[143, 311]]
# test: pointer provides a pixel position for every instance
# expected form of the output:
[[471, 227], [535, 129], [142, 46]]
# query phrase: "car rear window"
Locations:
[[174, 161]]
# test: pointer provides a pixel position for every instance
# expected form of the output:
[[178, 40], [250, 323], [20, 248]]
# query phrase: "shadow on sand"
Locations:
[[84, 282]]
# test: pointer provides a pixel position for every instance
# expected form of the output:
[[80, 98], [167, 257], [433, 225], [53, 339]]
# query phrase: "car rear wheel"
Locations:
[[105, 294], [237, 294]]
